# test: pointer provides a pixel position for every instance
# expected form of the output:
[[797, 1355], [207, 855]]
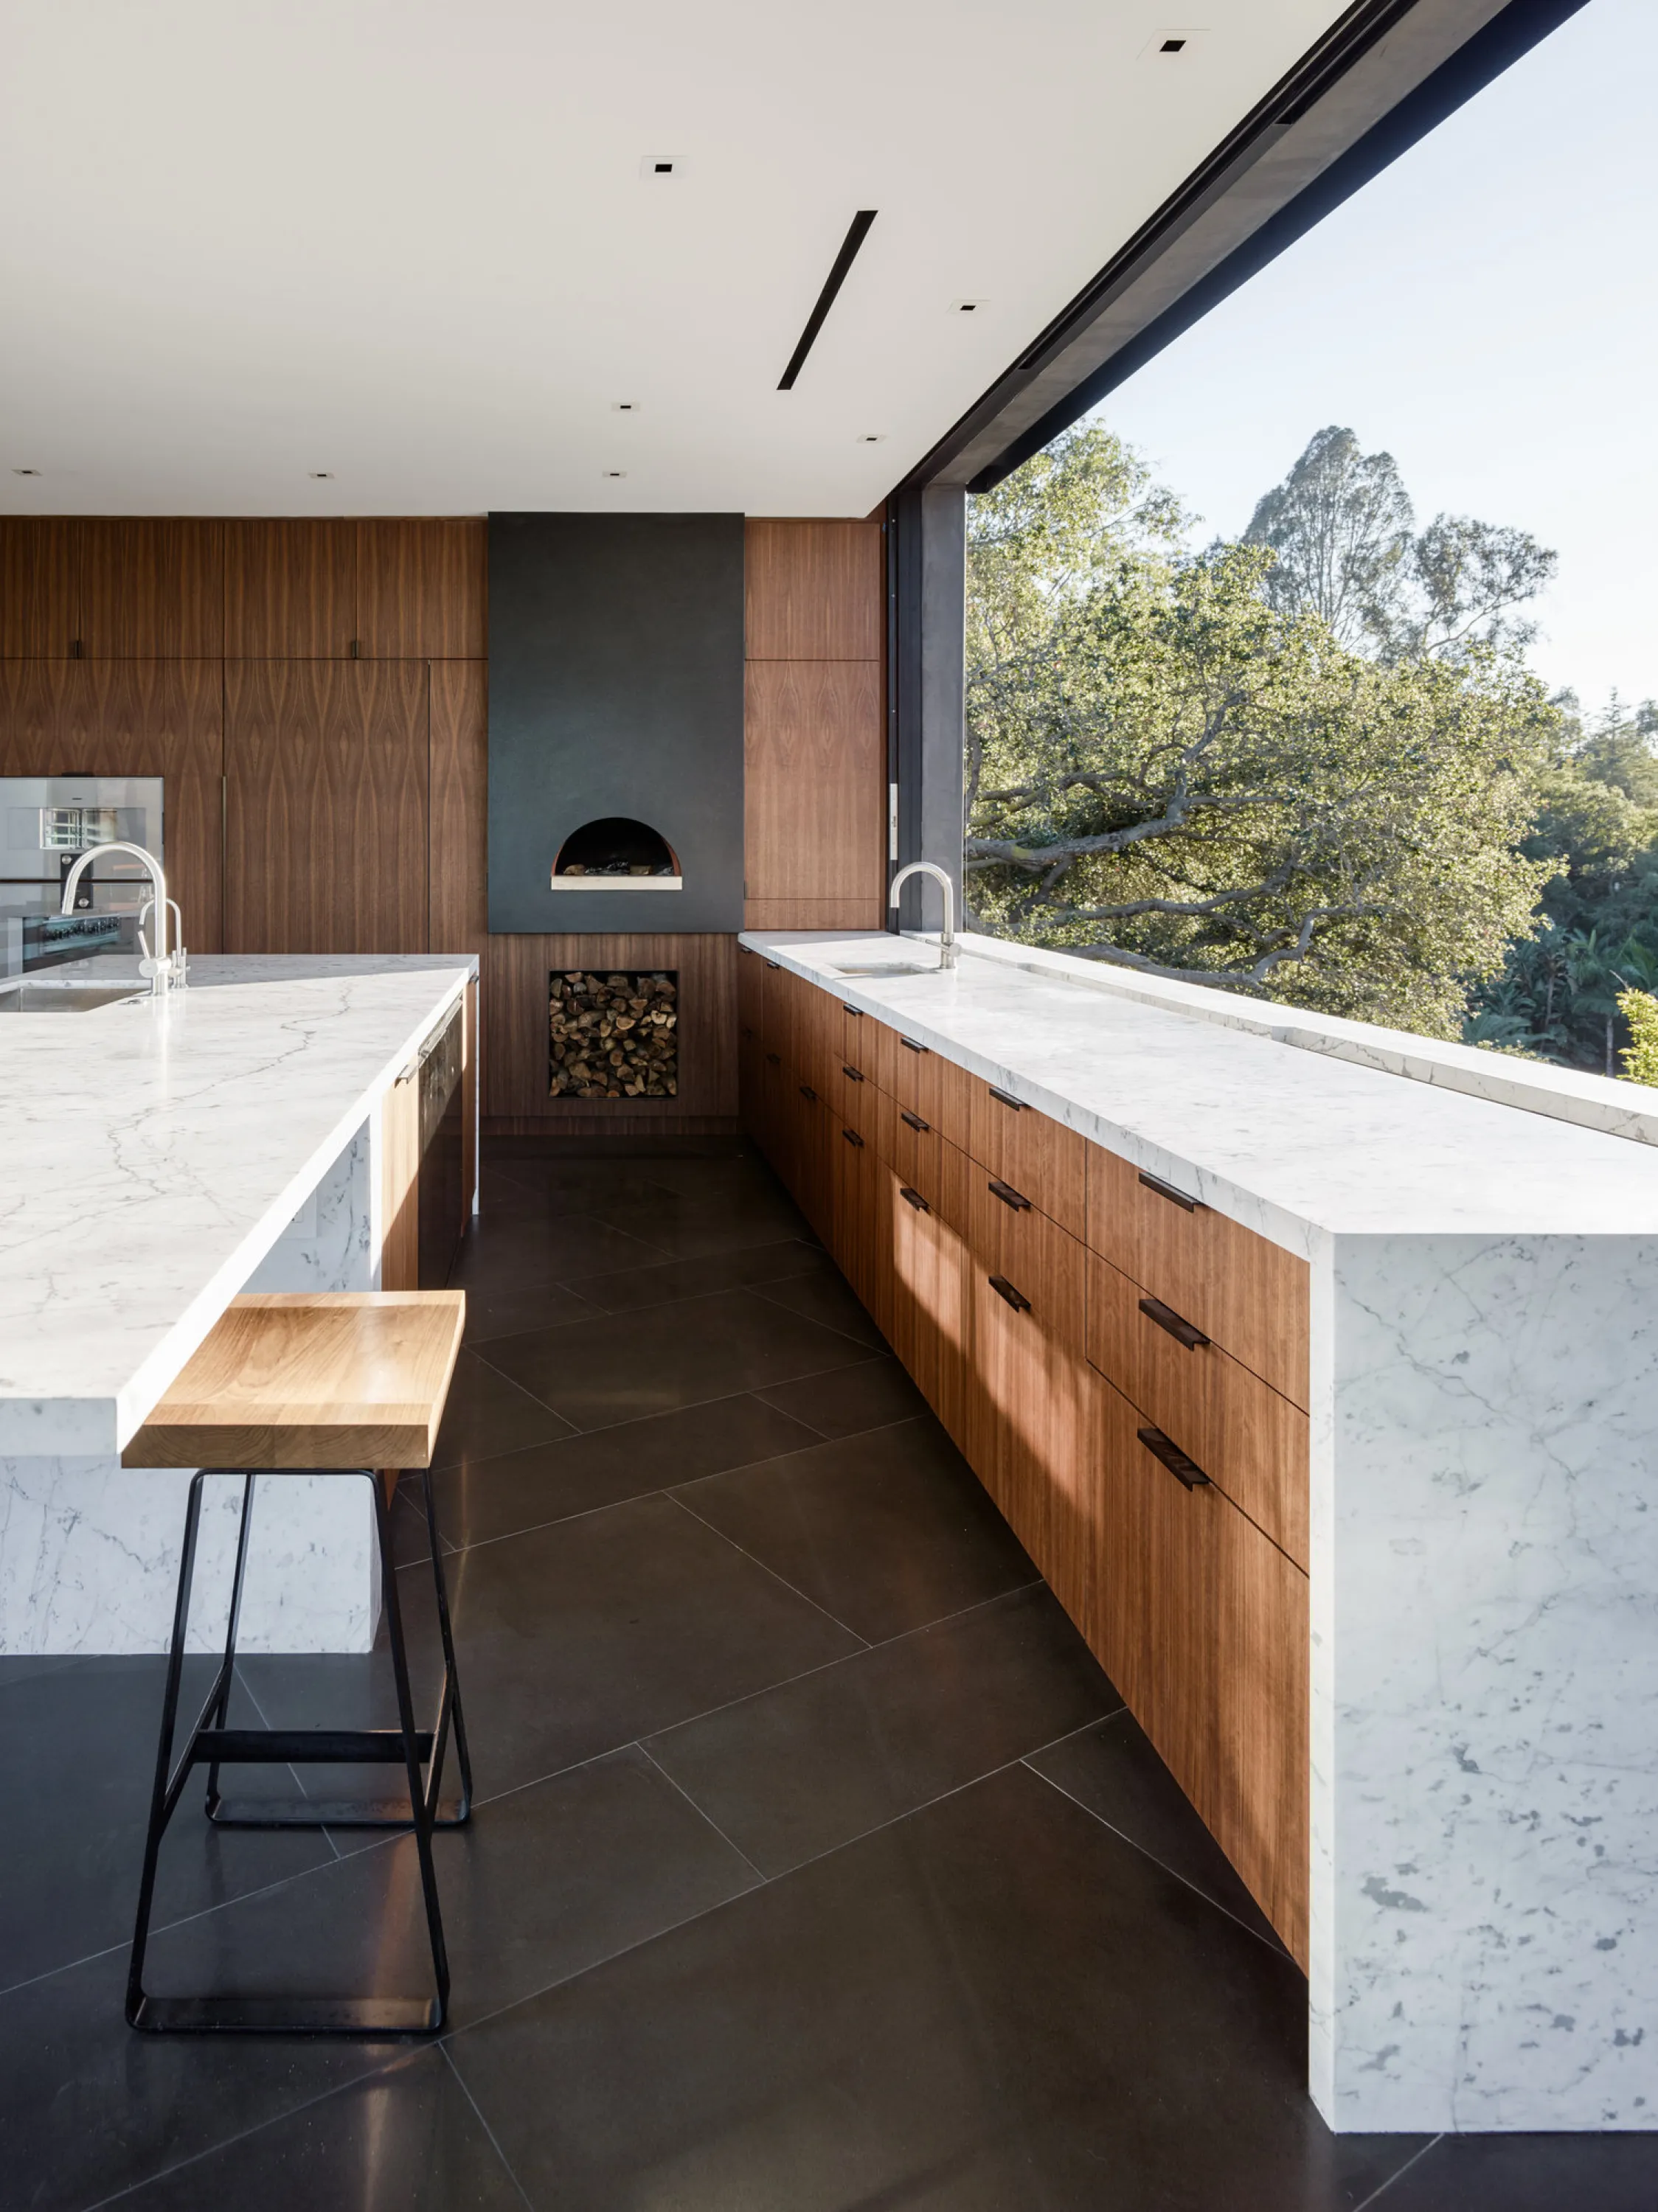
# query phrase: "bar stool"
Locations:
[[347, 1383]]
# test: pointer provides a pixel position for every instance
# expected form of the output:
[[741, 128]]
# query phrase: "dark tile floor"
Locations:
[[816, 1866]]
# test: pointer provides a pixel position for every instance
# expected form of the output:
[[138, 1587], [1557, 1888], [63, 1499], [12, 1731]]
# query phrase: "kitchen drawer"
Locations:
[[924, 1081], [1030, 1257], [1247, 1294], [1202, 1624], [1248, 1439], [814, 1132], [854, 1033], [751, 988], [930, 1296], [855, 1234], [853, 1093], [917, 1150], [1030, 1151]]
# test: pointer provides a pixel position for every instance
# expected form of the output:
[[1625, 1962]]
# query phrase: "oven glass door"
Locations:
[[46, 822]]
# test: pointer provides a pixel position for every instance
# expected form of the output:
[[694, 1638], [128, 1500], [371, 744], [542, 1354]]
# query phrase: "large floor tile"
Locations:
[[695, 1223], [1114, 1771], [627, 1365], [810, 1765], [77, 1750], [997, 1990], [868, 1396], [525, 1245], [1530, 2173], [632, 1287], [542, 1883], [89, 2108], [498, 1306], [407, 2140], [827, 1298], [488, 1413], [578, 1638], [886, 1530], [489, 1498]]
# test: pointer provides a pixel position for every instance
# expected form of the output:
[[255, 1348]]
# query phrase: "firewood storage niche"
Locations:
[[613, 1034]]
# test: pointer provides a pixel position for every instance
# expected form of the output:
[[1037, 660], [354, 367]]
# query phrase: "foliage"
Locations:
[[1640, 1010], [1173, 766], [1596, 833], [1342, 527]]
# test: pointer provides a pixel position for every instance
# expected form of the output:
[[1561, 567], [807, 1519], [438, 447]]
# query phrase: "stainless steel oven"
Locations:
[[46, 822]]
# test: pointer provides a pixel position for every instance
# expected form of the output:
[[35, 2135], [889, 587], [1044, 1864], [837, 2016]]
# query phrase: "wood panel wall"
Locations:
[[315, 693], [816, 725]]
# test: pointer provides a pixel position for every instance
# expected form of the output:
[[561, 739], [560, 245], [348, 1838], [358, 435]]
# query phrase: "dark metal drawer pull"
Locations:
[[914, 1198], [853, 1138], [1004, 1289], [1182, 1469], [774, 964], [774, 1060], [845, 1009], [1010, 1196], [1168, 1190], [806, 1092], [910, 1045], [851, 1072], [1165, 1317], [1004, 1098], [914, 1120]]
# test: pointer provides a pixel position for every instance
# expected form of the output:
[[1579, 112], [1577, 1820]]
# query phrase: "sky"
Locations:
[[1486, 310]]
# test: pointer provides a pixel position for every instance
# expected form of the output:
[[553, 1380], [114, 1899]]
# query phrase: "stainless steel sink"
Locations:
[[887, 968], [66, 998]]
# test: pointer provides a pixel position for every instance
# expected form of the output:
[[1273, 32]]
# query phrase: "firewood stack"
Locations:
[[614, 1036]]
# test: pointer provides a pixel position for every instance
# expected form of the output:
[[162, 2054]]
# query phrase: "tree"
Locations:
[[1640, 1010], [1170, 770], [1343, 529]]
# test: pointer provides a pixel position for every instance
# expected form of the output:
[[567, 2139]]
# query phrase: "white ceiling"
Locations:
[[409, 241]]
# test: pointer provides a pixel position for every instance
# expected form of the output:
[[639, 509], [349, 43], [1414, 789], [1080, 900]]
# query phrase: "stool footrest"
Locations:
[[327, 1813], [287, 2016], [304, 1747]]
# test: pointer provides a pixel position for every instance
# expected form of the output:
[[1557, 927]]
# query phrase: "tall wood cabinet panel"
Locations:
[[422, 589], [291, 588], [132, 717], [325, 774], [814, 750], [816, 591], [39, 607], [460, 806], [150, 588]]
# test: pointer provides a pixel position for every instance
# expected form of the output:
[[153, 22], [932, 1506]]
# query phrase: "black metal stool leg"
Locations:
[[164, 1796], [449, 1712], [220, 1705], [420, 1811]]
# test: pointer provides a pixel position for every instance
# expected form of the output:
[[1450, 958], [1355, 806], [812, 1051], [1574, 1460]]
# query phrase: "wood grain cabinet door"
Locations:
[[325, 777], [422, 589], [814, 750], [151, 589], [290, 589], [931, 1299], [1031, 1151], [1247, 1293], [1244, 1436], [39, 597]]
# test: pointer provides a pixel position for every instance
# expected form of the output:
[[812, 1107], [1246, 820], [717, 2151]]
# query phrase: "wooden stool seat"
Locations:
[[287, 1384], [311, 1379]]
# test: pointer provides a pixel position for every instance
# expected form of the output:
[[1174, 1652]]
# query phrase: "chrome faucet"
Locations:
[[180, 957], [947, 935], [159, 968]]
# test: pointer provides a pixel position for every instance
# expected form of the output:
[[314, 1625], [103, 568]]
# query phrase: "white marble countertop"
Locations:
[[153, 1153], [1292, 1142]]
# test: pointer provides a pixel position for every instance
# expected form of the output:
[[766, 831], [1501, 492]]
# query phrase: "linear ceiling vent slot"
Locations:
[[844, 260], [616, 854]]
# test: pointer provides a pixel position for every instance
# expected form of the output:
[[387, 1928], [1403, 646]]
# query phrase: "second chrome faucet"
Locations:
[[947, 934]]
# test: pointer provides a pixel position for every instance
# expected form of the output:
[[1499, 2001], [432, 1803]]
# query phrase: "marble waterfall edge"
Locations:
[[1485, 1793]]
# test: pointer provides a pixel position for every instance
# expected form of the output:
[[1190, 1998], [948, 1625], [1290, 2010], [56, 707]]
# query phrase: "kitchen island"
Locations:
[[1317, 1367], [161, 1156]]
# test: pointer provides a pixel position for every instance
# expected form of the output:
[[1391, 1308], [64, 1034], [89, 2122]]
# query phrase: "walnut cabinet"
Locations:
[[1123, 1368]]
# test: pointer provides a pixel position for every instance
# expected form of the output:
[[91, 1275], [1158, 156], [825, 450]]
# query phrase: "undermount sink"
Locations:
[[66, 998], [887, 968]]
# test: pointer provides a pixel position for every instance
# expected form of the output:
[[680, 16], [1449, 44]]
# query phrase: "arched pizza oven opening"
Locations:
[[616, 852]]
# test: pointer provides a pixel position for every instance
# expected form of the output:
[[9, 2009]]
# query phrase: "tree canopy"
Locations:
[[1179, 762]]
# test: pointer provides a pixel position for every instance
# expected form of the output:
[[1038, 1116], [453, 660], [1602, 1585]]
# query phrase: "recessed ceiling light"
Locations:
[[26, 472], [871, 437], [653, 165], [615, 472], [322, 475], [967, 306], [1173, 39], [623, 406]]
